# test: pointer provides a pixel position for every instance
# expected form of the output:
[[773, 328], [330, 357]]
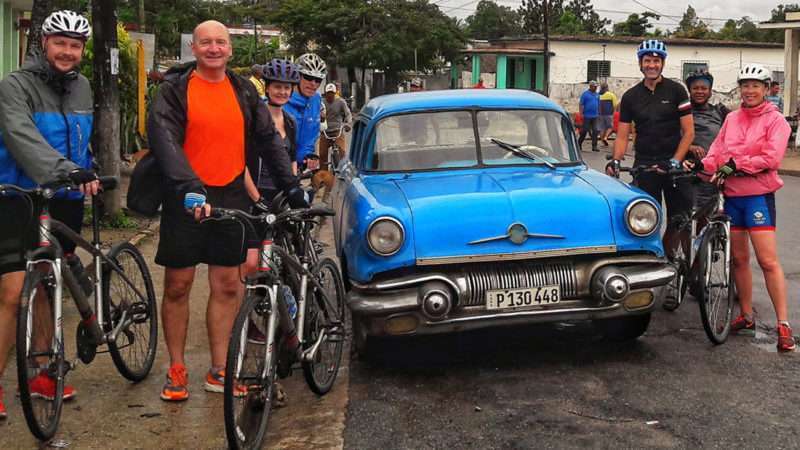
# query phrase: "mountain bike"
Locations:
[[706, 270], [319, 324], [123, 316]]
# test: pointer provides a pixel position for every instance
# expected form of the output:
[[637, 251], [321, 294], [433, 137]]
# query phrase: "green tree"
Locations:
[[491, 21], [532, 13], [691, 26], [778, 15], [635, 24], [590, 21], [568, 24]]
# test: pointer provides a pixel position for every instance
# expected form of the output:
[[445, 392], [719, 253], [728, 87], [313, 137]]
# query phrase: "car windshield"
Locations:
[[441, 140]]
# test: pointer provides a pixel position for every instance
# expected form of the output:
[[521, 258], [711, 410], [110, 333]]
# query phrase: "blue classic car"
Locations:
[[472, 208]]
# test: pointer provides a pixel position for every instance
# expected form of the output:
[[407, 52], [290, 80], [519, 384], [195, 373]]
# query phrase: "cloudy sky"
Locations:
[[714, 12]]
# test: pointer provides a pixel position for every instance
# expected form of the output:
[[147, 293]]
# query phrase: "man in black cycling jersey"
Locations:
[[662, 113]]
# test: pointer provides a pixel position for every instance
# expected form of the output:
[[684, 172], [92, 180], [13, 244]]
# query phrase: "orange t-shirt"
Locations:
[[214, 141]]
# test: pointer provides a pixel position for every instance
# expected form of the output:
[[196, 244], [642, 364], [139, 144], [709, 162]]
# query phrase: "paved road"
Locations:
[[563, 387]]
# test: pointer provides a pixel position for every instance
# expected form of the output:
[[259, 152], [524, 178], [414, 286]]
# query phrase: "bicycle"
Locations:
[[123, 317], [706, 270], [319, 322], [334, 151]]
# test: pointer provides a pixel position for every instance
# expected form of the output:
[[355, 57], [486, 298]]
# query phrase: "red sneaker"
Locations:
[[3, 413], [42, 386], [215, 382], [785, 338], [743, 326], [174, 389]]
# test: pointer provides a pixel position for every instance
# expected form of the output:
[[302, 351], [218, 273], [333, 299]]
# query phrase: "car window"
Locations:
[[355, 142], [424, 141], [541, 133]]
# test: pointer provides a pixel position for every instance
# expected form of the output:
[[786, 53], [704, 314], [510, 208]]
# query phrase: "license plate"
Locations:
[[520, 298]]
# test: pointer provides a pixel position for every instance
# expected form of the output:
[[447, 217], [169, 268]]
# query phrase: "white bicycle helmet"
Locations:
[[754, 72], [312, 65], [67, 23]]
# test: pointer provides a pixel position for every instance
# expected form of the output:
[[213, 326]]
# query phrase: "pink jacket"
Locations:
[[756, 139]]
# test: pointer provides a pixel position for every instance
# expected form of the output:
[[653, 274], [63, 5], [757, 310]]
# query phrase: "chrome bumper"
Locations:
[[378, 302]]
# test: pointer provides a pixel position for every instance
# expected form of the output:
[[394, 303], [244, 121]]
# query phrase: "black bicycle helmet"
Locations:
[[699, 74], [281, 70]]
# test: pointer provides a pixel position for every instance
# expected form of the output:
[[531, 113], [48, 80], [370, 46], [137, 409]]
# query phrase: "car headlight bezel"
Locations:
[[399, 229], [630, 209]]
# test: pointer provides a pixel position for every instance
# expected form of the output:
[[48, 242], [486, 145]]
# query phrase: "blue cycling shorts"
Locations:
[[752, 212]]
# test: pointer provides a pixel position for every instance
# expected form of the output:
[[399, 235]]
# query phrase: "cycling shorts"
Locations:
[[752, 212]]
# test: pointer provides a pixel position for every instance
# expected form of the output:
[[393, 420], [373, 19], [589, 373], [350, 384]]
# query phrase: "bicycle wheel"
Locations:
[[40, 353], [324, 314], [249, 366], [717, 293], [134, 350]]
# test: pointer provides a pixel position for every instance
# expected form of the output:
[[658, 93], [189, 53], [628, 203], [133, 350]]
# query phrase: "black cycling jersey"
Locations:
[[656, 115]]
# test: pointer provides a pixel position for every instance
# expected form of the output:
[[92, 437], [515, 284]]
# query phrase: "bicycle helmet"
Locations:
[[652, 47], [280, 70], [312, 65], [699, 74], [754, 72], [67, 23]]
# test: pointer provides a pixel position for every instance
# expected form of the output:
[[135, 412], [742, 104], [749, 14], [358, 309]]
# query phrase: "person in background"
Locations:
[[305, 106], [589, 108], [338, 117], [608, 104], [257, 80], [479, 85], [775, 95]]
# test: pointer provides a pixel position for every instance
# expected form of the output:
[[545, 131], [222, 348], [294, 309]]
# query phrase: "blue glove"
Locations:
[[193, 200], [674, 164]]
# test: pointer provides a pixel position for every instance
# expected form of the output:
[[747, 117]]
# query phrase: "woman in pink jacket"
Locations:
[[752, 142]]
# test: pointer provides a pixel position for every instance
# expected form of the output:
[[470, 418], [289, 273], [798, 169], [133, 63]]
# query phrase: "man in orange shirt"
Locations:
[[207, 125]]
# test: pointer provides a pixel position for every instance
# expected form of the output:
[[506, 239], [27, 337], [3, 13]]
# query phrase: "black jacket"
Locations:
[[265, 180], [166, 127]]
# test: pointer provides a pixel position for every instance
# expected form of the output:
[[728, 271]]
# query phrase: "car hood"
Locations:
[[471, 214]]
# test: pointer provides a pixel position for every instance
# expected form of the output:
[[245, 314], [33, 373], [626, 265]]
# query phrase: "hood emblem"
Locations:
[[516, 233]]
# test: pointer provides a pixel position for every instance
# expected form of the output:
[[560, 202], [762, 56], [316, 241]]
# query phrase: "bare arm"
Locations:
[[621, 144], [250, 186], [687, 128]]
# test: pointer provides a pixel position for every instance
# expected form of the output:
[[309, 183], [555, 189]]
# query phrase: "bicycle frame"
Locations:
[[49, 251]]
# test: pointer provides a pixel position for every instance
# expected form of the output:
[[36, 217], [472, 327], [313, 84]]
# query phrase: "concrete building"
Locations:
[[574, 60], [12, 33], [791, 27]]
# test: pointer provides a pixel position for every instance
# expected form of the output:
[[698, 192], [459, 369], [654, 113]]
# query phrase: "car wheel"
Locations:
[[624, 328]]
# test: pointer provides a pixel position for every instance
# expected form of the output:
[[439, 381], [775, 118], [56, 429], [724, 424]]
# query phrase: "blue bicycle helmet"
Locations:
[[652, 47], [281, 70]]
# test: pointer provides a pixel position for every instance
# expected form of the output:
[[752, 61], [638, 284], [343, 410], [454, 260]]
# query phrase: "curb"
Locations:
[[148, 232], [789, 172]]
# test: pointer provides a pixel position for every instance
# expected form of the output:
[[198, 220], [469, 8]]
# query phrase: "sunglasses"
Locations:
[[310, 78]]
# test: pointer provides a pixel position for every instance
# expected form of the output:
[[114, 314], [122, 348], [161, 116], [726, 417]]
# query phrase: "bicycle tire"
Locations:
[[140, 338], [322, 314], [246, 427], [717, 294], [41, 414]]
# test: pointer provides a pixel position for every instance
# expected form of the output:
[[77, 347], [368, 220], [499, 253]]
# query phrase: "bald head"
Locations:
[[212, 26], [211, 47]]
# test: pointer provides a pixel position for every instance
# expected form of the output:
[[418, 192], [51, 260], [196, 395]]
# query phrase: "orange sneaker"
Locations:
[[42, 386], [174, 389], [215, 382], [3, 413]]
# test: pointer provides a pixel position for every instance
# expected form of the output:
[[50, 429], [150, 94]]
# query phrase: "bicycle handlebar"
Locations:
[[107, 183]]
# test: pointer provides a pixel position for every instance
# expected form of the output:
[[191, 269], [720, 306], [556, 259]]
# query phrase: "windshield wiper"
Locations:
[[519, 151]]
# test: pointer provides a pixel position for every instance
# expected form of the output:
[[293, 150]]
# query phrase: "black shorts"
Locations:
[[18, 232], [184, 242], [677, 197]]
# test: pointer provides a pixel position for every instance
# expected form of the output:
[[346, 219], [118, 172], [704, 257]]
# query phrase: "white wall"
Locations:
[[569, 65]]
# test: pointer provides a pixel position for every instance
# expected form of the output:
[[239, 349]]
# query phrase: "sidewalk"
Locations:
[[790, 164]]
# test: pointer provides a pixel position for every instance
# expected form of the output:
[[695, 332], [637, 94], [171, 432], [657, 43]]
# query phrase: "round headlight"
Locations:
[[642, 217], [385, 236]]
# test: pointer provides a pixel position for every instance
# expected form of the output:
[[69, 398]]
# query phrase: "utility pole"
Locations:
[[546, 77], [142, 25], [105, 139]]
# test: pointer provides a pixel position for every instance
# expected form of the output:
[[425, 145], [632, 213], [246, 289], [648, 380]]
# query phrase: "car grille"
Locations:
[[510, 276]]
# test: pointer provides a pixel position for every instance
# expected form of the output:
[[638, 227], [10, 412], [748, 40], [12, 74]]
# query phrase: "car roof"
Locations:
[[457, 99]]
